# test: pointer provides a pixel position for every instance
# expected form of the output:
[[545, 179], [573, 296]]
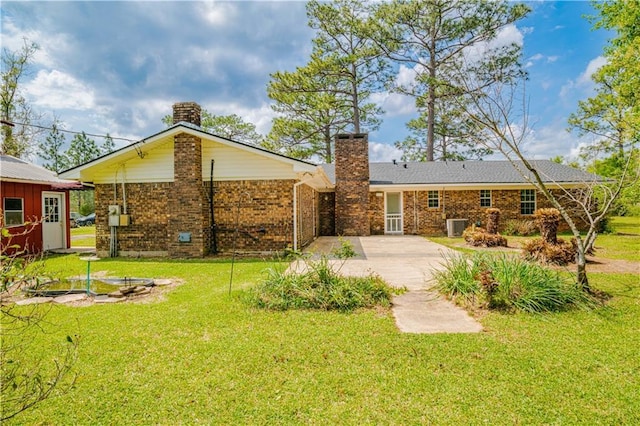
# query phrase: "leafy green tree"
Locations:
[[228, 126], [82, 149], [309, 118], [452, 138], [107, 145], [51, 150], [332, 92], [14, 108], [433, 40]]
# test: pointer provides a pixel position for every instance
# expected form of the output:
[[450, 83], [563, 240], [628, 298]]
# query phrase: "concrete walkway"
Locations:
[[405, 261]]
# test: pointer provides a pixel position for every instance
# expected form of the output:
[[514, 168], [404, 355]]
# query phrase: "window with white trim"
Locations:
[[433, 199], [527, 201], [485, 198], [13, 211]]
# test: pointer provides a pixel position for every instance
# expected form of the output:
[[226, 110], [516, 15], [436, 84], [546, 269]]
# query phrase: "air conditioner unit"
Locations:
[[455, 227]]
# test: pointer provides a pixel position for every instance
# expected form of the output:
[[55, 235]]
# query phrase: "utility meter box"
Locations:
[[124, 220], [114, 215]]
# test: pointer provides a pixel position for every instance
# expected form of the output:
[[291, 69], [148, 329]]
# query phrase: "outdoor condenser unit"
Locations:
[[455, 227]]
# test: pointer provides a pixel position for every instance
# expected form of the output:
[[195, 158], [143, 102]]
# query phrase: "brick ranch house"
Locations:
[[186, 193], [30, 193]]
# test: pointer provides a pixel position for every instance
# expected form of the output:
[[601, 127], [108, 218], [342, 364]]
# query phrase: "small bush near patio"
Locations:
[[507, 283], [562, 252], [479, 237], [319, 286]]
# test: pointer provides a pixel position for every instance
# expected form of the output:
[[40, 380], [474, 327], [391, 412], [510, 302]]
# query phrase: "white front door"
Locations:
[[53, 223], [393, 213]]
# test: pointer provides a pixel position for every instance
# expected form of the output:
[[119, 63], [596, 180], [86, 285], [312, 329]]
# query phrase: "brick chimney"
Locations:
[[352, 184], [188, 112], [187, 202]]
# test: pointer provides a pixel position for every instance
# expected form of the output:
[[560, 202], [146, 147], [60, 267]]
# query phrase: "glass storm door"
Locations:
[[393, 213], [52, 221]]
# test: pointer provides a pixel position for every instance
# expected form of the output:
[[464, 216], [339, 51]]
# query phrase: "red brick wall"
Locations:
[[376, 213], [187, 202], [265, 222], [327, 213], [352, 184], [148, 208]]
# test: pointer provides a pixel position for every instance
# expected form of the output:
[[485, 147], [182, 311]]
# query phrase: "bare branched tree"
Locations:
[[500, 112], [26, 381]]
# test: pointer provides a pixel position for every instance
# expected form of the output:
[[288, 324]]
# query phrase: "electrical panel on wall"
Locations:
[[114, 215]]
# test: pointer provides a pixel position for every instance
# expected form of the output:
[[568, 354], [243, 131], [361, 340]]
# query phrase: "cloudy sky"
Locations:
[[117, 67]]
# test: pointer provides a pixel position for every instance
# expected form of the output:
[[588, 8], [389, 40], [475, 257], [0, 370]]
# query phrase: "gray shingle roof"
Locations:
[[12, 168], [465, 172]]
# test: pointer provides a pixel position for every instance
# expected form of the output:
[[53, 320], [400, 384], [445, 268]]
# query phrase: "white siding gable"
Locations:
[[233, 163]]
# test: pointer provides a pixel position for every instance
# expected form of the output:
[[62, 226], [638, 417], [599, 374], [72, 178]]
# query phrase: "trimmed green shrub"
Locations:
[[508, 283]]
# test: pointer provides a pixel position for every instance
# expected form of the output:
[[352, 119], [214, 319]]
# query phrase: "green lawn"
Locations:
[[623, 243], [83, 236], [202, 356]]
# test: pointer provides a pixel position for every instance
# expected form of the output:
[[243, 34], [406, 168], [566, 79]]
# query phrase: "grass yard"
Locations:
[[202, 356], [623, 243], [83, 236]]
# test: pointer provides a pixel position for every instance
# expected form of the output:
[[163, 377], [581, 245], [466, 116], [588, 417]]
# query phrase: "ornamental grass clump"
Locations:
[[320, 286], [489, 237], [549, 249], [506, 283]]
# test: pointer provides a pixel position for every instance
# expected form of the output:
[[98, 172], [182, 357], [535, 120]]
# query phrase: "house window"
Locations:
[[527, 201], [13, 211], [433, 199], [485, 198]]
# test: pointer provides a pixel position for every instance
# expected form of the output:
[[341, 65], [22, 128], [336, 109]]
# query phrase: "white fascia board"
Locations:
[[469, 186]]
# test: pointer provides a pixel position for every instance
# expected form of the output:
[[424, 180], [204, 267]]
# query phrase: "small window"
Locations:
[[13, 211], [433, 199], [527, 201], [485, 198]]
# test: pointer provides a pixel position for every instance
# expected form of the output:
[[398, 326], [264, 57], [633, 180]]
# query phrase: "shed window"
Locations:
[[527, 201], [485, 198], [13, 211], [433, 199]]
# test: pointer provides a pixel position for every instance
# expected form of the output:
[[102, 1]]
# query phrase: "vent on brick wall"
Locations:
[[455, 227]]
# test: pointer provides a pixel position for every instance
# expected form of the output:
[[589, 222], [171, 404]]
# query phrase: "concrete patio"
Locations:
[[405, 261]]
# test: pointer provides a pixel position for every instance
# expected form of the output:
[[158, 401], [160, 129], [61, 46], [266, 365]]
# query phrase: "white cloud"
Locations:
[[218, 13], [57, 90], [592, 67], [394, 104], [380, 152], [583, 82]]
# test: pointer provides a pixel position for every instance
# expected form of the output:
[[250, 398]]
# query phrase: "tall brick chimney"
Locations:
[[352, 184], [188, 112], [187, 202]]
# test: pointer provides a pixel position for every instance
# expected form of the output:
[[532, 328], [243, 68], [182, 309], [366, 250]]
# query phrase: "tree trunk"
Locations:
[[328, 156], [581, 269]]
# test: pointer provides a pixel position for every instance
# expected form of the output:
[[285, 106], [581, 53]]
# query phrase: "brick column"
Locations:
[[352, 184], [187, 202]]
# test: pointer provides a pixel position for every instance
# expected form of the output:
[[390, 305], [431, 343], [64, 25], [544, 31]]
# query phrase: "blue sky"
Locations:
[[117, 67]]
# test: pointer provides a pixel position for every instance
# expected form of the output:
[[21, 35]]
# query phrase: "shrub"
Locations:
[[561, 253], [478, 237], [345, 251], [548, 221], [520, 227], [507, 283], [493, 220], [320, 286]]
